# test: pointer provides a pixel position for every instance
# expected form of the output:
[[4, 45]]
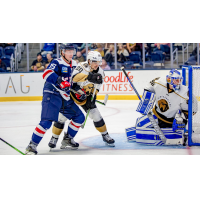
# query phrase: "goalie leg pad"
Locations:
[[131, 133], [140, 122], [146, 103], [144, 121], [148, 136]]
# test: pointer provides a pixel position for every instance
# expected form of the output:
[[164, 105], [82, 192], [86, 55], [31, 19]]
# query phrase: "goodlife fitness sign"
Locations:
[[116, 83]]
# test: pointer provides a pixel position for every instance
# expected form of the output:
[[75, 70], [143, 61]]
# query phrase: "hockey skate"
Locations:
[[108, 140], [31, 149], [68, 143], [53, 142]]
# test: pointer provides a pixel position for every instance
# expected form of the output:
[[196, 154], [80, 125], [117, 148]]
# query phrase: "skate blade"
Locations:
[[30, 153], [110, 145], [68, 148]]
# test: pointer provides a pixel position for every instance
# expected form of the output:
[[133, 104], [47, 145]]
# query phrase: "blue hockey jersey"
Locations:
[[58, 67]]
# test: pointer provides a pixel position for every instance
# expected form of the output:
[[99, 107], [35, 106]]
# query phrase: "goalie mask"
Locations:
[[174, 79]]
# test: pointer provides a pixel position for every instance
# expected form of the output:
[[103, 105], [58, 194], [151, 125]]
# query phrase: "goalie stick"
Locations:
[[152, 120]]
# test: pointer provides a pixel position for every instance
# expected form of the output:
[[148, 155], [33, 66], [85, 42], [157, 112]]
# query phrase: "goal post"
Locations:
[[191, 78]]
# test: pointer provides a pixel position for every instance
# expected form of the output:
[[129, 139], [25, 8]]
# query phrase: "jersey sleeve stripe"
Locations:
[[47, 73]]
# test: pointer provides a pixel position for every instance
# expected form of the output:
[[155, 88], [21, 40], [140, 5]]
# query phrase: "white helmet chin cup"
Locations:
[[94, 56]]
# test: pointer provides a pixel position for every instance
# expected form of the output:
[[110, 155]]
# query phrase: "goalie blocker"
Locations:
[[146, 103]]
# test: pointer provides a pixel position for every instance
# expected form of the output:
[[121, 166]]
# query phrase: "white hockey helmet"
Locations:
[[94, 56], [175, 79]]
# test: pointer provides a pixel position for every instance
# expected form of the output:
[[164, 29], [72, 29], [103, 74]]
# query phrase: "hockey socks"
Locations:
[[73, 128], [101, 126], [57, 129], [39, 131]]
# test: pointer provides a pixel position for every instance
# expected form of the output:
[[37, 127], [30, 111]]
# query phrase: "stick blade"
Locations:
[[106, 99]]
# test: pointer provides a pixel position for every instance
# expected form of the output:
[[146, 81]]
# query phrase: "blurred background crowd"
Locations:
[[35, 57]]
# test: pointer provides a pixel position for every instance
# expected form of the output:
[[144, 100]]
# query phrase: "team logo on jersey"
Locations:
[[88, 89], [64, 69], [163, 105]]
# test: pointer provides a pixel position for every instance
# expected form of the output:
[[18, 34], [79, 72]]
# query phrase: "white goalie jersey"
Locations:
[[168, 102]]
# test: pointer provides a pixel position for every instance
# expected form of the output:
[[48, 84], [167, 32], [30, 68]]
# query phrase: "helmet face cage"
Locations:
[[174, 75]]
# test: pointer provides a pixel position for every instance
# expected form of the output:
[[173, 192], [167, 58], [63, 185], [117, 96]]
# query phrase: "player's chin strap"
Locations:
[[152, 120], [66, 59]]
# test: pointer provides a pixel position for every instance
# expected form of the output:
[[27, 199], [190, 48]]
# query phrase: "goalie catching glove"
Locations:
[[178, 123], [146, 103]]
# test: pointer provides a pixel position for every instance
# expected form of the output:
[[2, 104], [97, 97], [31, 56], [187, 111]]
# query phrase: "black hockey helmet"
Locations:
[[67, 46]]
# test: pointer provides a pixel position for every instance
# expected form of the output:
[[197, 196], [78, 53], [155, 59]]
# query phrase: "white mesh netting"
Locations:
[[196, 106], [196, 93]]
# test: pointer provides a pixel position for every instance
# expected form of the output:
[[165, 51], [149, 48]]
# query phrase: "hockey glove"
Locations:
[[90, 104], [64, 85], [95, 78], [82, 95]]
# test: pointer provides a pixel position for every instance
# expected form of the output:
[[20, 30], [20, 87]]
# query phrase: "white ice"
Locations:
[[19, 119]]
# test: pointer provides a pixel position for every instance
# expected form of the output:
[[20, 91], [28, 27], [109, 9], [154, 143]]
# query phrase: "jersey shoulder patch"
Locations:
[[153, 81]]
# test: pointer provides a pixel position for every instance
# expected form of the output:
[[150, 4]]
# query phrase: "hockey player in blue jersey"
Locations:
[[56, 98]]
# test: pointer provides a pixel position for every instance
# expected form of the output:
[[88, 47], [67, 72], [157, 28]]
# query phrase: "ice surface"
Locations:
[[19, 119]]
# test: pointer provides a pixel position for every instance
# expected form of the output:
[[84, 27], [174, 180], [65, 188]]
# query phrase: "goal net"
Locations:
[[191, 78]]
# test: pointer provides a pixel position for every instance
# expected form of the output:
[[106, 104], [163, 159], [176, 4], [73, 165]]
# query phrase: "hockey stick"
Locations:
[[95, 88], [12, 146], [150, 116], [105, 100]]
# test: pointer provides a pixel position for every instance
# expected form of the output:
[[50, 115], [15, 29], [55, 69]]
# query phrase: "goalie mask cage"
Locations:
[[191, 78]]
